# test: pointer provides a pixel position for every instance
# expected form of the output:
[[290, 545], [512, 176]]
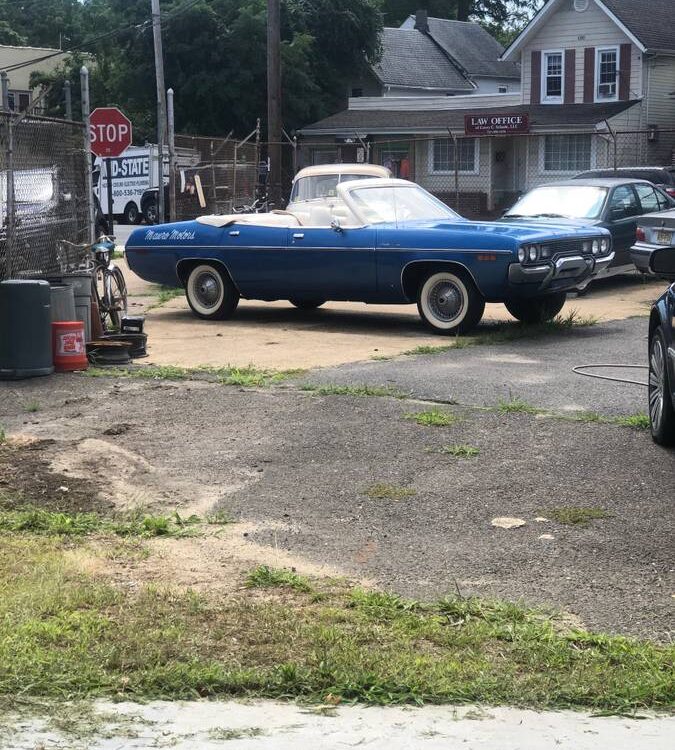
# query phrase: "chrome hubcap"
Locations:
[[445, 300], [656, 384], [207, 289]]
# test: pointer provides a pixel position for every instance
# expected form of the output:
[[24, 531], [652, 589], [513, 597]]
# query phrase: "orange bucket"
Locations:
[[68, 346]]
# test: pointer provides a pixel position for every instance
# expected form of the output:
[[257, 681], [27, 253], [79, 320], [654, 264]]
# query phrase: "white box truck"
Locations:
[[133, 173]]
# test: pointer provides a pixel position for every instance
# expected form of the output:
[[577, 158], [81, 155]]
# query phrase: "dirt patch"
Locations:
[[26, 477]]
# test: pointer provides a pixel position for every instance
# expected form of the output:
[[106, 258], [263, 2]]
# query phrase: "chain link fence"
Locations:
[[213, 175], [43, 194], [482, 176]]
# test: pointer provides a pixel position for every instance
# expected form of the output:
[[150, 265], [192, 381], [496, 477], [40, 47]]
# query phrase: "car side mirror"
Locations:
[[662, 262], [335, 226]]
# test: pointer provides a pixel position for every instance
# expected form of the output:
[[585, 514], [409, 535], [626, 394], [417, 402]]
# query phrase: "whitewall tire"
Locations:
[[211, 293], [449, 302]]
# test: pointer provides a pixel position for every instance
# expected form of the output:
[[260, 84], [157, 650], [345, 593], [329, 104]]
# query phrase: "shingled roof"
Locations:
[[651, 21], [412, 59], [385, 121]]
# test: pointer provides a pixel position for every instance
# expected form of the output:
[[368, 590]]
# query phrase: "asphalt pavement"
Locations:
[[536, 370]]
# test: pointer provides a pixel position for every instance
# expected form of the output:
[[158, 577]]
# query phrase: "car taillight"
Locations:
[[640, 234]]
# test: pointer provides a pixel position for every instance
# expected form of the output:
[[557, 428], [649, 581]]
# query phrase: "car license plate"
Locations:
[[664, 238]]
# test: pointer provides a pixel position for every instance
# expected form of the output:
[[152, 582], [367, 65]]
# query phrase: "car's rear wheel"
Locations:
[[211, 293], [661, 411], [536, 309], [131, 214], [306, 304], [150, 213], [449, 302]]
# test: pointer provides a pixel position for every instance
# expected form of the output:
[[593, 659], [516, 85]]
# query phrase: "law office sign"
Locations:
[[501, 124]]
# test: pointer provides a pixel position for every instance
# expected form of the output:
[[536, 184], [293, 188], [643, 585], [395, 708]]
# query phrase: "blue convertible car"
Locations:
[[379, 241]]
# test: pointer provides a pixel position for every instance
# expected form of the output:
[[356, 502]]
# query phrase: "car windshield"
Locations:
[[321, 186], [566, 201], [398, 203]]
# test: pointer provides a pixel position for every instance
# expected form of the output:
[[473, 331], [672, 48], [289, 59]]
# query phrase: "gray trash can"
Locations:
[[62, 302], [81, 283], [25, 329]]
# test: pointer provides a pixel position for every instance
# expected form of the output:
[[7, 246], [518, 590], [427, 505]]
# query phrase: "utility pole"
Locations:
[[274, 99], [161, 104]]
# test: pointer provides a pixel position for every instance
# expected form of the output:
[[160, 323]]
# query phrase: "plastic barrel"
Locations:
[[62, 302], [70, 352], [25, 343], [81, 284]]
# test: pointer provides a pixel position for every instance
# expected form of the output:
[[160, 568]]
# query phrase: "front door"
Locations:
[[332, 264]]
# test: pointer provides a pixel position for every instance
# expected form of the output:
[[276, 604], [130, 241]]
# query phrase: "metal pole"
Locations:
[[234, 176], [161, 103], [456, 149], [68, 99], [214, 194], [109, 175], [274, 98], [11, 216], [84, 85], [5, 90], [172, 154]]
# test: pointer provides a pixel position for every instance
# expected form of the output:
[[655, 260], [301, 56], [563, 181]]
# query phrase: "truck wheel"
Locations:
[[150, 212], [131, 214], [211, 293], [449, 302], [536, 309]]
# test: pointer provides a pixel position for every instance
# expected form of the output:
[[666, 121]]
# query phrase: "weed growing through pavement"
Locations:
[[32, 406], [248, 377], [383, 491], [517, 406], [353, 390], [265, 577], [163, 295], [426, 349], [459, 451], [576, 516], [433, 418], [221, 733], [218, 518], [636, 421], [3, 436]]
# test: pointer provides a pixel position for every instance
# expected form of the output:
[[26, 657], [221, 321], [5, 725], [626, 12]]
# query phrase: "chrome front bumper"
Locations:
[[567, 272]]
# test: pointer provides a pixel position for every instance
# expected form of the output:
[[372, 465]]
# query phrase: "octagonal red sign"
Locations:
[[110, 131]]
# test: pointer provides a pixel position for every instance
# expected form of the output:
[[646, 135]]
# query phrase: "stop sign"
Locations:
[[110, 131]]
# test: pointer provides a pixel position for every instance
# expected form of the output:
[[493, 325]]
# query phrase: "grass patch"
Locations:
[[576, 516], [383, 491], [636, 421], [460, 451], [265, 577], [247, 377], [427, 349], [517, 406], [32, 406], [134, 524], [3, 436], [165, 294], [353, 390], [223, 734], [433, 418], [65, 635]]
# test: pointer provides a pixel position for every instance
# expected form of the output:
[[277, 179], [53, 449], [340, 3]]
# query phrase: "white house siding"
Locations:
[[564, 29], [19, 78], [491, 85], [660, 109], [402, 104]]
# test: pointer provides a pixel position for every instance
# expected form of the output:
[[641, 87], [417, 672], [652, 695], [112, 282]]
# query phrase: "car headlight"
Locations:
[[533, 253], [596, 247], [604, 245], [522, 254]]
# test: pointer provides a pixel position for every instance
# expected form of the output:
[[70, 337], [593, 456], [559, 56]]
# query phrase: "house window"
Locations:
[[567, 153], [606, 61], [502, 89], [443, 155], [325, 156], [396, 158], [18, 100], [357, 93], [552, 77]]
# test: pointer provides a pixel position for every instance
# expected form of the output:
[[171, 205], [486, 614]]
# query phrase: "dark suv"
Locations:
[[662, 177]]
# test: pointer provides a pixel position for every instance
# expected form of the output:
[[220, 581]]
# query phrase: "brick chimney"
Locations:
[[422, 21]]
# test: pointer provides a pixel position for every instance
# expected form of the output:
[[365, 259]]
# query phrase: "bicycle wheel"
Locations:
[[112, 294]]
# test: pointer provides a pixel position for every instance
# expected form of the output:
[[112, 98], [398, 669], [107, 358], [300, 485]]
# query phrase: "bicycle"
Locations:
[[109, 288]]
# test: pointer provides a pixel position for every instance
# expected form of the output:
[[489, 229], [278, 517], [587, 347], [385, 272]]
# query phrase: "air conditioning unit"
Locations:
[[607, 90]]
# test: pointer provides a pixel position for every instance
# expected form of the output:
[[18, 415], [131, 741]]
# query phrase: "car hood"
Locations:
[[517, 230], [558, 223]]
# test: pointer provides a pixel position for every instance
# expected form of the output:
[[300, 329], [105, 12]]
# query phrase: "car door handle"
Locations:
[[298, 236], [234, 233]]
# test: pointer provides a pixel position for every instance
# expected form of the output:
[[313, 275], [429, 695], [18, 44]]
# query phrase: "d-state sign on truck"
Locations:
[[133, 173]]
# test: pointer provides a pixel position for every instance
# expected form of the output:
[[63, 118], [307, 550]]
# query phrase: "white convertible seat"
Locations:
[[320, 216], [260, 220]]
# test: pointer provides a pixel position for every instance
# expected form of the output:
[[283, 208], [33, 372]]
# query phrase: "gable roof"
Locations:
[[651, 21], [411, 59], [648, 23], [472, 47]]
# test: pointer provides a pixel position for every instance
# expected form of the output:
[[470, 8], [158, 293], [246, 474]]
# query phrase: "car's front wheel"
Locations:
[[131, 214], [661, 411], [536, 309], [449, 302], [306, 304], [211, 293], [150, 213]]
